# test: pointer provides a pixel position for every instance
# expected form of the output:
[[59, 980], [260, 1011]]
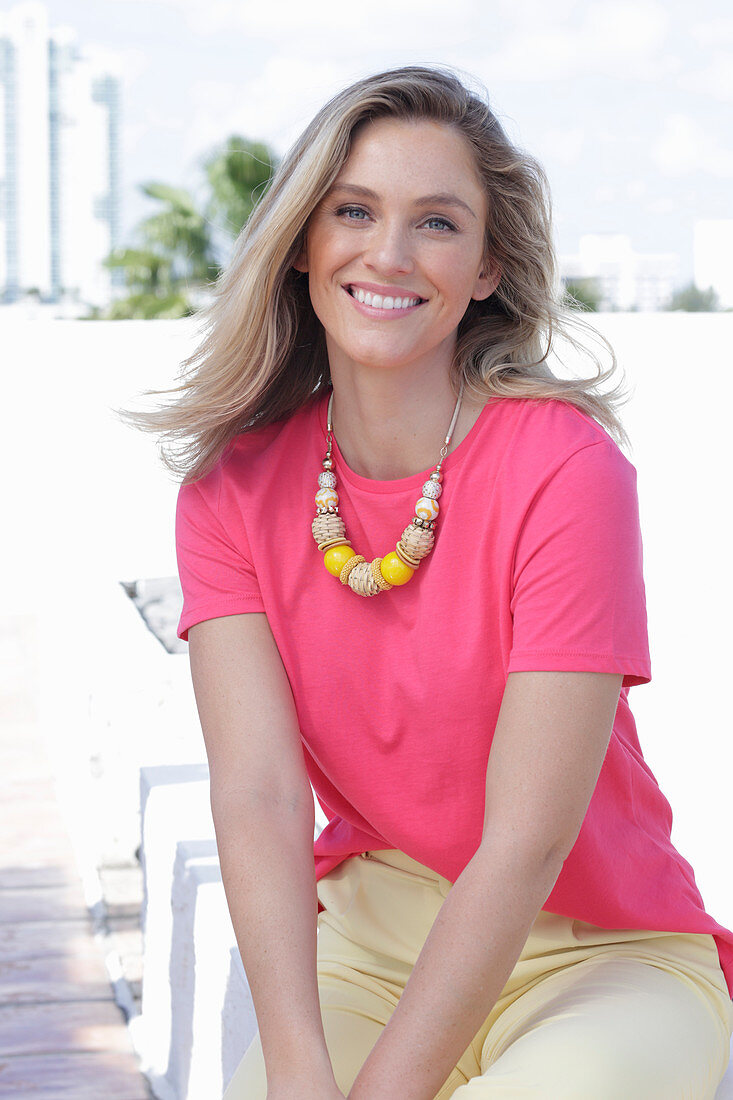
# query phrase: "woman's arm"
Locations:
[[263, 813], [550, 741]]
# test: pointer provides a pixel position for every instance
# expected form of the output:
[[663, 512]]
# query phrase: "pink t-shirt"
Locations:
[[537, 565]]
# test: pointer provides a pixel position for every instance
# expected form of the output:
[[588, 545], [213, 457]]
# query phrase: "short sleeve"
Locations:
[[578, 601], [216, 574]]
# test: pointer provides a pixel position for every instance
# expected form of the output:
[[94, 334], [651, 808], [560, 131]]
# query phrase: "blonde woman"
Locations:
[[411, 565]]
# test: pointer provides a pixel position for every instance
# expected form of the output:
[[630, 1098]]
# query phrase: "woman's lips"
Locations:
[[383, 305]]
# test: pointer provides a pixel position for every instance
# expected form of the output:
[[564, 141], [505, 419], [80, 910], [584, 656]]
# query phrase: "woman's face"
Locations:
[[395, 251]]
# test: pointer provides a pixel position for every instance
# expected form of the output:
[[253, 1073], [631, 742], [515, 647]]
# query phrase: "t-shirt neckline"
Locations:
[[371, 485]]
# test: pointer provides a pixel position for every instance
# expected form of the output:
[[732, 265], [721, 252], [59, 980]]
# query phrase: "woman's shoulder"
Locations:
[[251, 453], [544, 433], [260, 443]]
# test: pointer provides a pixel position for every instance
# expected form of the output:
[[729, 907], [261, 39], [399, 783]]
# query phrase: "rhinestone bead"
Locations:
[[432, 489], [327, 480]]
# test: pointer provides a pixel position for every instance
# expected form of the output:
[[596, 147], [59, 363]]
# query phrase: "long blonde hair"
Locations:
[[263, 354]]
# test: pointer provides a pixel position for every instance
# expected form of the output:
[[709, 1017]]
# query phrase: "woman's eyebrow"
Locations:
[[442, 198]]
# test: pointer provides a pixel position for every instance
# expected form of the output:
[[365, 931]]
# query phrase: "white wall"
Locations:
[[88, 504]]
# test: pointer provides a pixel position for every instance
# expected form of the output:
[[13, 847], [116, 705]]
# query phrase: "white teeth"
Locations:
[[377, 301]]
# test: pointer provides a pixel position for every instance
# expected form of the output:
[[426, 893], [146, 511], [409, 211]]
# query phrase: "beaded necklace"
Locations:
[[368, 578]]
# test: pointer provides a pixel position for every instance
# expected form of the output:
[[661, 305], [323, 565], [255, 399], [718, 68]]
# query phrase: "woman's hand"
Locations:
[[305, 1090]]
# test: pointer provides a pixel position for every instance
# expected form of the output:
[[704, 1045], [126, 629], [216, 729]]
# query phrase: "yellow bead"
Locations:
[[394, 570], [336, 558]]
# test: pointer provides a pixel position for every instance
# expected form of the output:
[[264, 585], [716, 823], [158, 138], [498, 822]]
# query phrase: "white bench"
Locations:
[[197, 1013]]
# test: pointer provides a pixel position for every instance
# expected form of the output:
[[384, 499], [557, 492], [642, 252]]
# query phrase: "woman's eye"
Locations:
[[441, 224], [352, 213]]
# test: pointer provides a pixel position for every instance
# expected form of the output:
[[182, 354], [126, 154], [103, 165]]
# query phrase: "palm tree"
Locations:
[[238, 173], [176, 261], [176, 255]]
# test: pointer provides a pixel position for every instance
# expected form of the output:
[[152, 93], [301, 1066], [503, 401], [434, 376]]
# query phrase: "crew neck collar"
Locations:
[[397, 485]]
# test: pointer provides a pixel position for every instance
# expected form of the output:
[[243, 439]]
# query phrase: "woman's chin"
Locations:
[[383, 359]]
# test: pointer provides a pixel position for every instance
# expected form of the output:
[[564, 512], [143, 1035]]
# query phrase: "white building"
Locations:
[[625, 279], [713, 249], [59, 162]]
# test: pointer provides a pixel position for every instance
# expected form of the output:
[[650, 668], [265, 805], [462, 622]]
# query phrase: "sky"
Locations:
[[626, 104]]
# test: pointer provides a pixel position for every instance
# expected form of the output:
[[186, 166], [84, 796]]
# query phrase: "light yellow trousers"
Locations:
[[587, 1013]]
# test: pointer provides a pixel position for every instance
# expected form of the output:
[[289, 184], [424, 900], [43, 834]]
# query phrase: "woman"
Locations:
[[500, 910]]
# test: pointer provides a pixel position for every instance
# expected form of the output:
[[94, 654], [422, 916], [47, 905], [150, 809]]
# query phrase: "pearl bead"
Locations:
[[336, 558], [427, 508], [394, 570]]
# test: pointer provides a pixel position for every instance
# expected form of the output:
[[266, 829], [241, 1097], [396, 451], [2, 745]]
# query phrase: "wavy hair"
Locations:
[[263, 352]]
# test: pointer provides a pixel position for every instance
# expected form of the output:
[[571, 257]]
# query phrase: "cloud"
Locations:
[[683, 147], [275, 106], [714, 32], [561, 146], [127, 63], [665, 204], [611, 39], [414, 23], [715, 80]]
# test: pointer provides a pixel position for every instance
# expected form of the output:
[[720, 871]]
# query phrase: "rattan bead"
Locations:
[[408, 559], [417, 541], [362, 581], [327, 526], [350, 564], [382, 584], [324, 546]]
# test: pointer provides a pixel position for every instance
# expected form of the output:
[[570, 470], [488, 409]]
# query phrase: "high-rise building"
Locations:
[[59, 162], [624, 279]]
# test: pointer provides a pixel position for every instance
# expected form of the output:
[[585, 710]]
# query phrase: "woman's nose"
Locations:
[[389, 250]]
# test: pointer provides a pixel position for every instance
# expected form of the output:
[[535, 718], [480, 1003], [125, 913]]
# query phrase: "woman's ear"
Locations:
[[300, 263], [487, 281]]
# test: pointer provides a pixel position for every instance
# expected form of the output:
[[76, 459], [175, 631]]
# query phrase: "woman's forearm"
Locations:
[[459, 974], [266, 854]]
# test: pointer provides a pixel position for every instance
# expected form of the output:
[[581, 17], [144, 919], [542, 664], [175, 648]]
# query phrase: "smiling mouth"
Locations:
[[383, 301]]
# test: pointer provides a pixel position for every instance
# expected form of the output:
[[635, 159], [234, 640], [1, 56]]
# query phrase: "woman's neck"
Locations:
[[389, 426]]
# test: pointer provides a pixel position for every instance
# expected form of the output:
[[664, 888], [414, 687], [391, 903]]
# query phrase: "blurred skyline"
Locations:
[[627, 105]]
